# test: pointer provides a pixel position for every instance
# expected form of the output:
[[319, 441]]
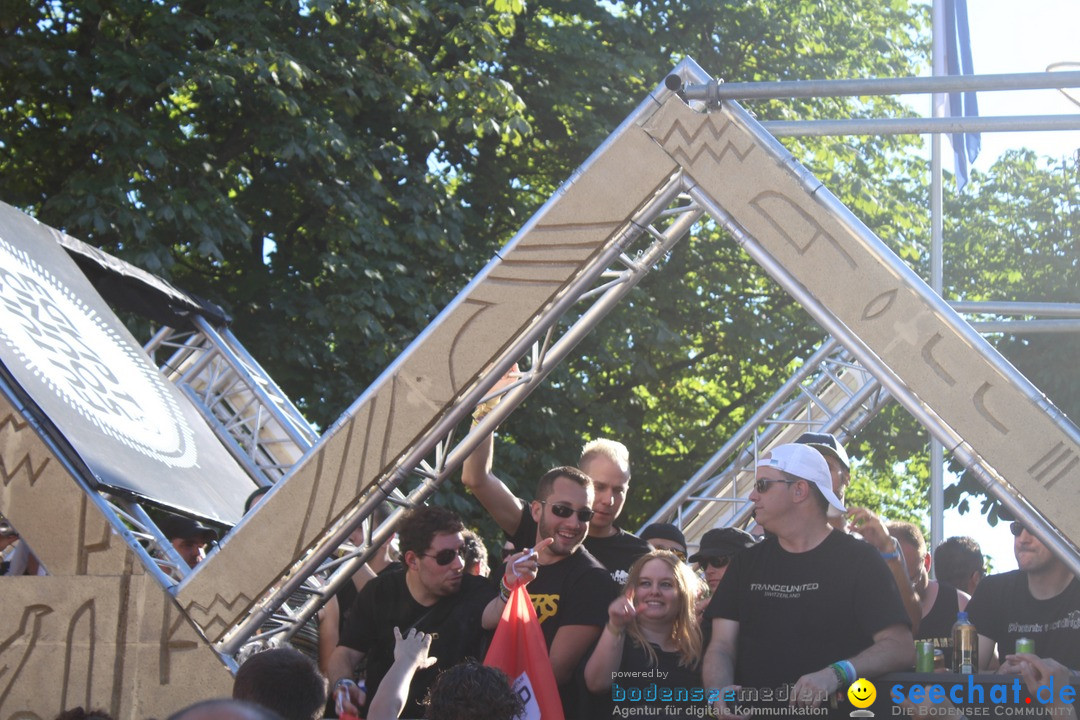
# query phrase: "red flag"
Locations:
[[520, 651]]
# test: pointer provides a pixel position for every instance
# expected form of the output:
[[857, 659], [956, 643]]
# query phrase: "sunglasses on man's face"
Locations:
[[565, 511], [715, 562], [445, 557], [1016, 528], [762, 484]]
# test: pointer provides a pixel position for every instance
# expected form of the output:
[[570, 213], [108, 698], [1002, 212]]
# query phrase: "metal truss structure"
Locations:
[[667, 166]]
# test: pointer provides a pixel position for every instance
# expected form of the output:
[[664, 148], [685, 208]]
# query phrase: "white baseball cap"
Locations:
[[804, 462]]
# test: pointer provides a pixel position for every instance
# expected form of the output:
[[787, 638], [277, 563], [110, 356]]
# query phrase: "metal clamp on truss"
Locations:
[[707, 92]]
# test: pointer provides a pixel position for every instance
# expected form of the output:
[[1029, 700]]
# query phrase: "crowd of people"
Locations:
[[787, 616]]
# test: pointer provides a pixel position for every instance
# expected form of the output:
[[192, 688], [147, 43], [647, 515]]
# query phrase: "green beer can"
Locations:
[[924, 656], [1025, 645]]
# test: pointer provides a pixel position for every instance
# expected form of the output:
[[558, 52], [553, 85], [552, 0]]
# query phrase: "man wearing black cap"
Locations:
[[665, 536], [188, 537], [837, 458], [716, 550]]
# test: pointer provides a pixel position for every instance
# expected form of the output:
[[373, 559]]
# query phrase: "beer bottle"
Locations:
[[965, 642]]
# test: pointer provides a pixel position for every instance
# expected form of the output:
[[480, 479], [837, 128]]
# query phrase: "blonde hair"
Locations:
[[613, 450], [685, 630]]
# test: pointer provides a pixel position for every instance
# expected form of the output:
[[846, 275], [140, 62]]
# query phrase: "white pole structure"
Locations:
[[937, 454]]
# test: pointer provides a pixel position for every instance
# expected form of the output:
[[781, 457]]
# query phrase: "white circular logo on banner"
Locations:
[[91, 367]]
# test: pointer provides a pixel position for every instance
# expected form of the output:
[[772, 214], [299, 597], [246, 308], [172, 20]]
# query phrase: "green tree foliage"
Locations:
[[333, 172]]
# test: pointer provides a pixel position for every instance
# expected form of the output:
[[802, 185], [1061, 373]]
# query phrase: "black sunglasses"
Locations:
[[715, 562], [762, 485], [1016, 528], [565, 511], [445, 557]]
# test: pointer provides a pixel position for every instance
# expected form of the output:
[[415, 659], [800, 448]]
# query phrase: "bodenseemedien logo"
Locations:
[[862, 694]]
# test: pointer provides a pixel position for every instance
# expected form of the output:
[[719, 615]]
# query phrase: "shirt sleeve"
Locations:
[[879, 604]]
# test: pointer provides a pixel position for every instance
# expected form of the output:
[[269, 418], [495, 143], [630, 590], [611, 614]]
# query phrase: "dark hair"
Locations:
[[284, 680], [815, 492], [956, 559], [471, 691], [254, 497], [418, 528], [78, 713], [475, 551], [223, 706], [547, 482]]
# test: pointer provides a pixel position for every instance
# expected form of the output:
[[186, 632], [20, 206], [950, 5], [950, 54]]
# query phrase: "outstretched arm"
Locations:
[[492, 492], [410, 655]]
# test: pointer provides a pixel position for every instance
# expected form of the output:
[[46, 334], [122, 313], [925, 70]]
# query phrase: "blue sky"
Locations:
[[1008, 36]]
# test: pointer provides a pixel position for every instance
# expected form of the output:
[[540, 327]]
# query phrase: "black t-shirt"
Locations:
[[669, 689], [1003, 610], [617, 552], [937, 625], [386, 603], [800, 612]]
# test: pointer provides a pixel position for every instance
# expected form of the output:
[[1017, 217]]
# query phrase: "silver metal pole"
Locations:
[[937, 222], [938, 83], [915, 126], [1043, 309]]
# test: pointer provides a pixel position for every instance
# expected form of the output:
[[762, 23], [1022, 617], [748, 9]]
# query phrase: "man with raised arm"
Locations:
[[606, 462], [809, 606]]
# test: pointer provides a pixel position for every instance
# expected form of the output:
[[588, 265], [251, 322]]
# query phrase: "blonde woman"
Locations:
[[650, 651]]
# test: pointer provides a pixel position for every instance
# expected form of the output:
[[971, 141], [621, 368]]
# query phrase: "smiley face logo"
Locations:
[[862, 693]]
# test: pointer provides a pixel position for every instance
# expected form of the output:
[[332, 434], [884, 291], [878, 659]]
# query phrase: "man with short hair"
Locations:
[[431, 594], [959, 562], [188, 537], [284, 680], [939, 602], [1040, 600], [571, 590], [809, 605], [606, 462]]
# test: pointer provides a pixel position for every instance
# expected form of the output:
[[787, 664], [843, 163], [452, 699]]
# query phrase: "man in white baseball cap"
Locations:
[[812, 606]]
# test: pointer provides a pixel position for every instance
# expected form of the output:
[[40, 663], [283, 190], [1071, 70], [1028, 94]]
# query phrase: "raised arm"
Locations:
[[607, 655], [492, 492], [410, 655], [874, 532]]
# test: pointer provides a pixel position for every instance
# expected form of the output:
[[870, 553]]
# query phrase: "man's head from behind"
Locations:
[[470, 691], [607, 463], [959, 562], [834, 454], [224, 709], [563, 508], [283, 680]]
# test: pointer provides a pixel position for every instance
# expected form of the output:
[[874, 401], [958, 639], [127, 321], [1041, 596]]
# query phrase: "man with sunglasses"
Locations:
[[718, 546], [571, 590], [810, 605], [431, 593], [606, 462], [1040, 600]]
